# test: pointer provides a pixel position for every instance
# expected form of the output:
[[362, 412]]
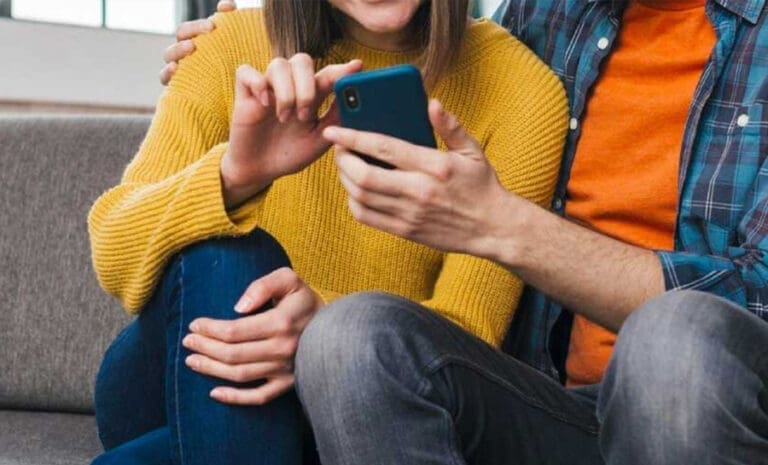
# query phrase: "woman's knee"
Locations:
[[255, 255], [212, 275]]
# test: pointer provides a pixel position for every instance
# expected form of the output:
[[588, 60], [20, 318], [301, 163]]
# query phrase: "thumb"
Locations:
[[449, 129], [330, 118], [272, 287]]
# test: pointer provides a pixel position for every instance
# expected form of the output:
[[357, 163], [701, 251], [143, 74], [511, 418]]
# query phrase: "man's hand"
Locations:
[[255, 347], [184, 45], [452, 201], [445, 200]]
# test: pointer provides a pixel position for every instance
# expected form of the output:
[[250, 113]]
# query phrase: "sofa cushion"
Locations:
[[55, 321], [35, 438]]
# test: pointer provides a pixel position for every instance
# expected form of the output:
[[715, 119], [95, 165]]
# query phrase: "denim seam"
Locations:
[[425, 373], [442, 361], [421, 391], [176, 359], [453, 442]]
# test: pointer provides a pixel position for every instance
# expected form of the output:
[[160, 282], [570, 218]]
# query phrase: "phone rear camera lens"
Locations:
[[351, 98]]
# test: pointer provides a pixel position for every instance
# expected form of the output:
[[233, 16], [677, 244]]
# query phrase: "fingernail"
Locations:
[[215, 393], [284, 115], [330, 132], [243, 305], [264, 99], [187, 341], [304, 114], [194, 326], [192, 362]]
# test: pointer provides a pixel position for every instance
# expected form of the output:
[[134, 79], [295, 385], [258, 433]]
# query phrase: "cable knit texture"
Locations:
[[170, 195]]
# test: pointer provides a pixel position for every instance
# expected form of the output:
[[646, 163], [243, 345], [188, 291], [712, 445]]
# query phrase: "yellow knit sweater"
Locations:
[[170, 195]]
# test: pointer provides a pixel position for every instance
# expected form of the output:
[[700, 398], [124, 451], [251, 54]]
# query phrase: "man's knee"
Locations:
[[353, 326], [671, 359], [682, 368], [677, 331], [354, 340], [681, 310]]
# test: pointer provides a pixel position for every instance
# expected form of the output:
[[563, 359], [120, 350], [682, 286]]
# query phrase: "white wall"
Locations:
[[51, 63]]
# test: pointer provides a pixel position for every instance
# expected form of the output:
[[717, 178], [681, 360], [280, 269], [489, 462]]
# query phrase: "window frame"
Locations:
[[5, 8], [6, 11]]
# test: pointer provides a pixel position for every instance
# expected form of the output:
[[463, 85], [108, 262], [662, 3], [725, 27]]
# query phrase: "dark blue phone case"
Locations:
[[390, 101]]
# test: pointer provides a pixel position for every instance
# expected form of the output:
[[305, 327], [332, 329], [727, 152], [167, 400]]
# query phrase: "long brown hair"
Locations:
[[312, 26]]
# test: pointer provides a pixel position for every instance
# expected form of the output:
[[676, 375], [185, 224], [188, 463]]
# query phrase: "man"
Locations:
[[663, 187]]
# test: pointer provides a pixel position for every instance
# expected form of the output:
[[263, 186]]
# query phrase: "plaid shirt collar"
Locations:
[[747, 9]]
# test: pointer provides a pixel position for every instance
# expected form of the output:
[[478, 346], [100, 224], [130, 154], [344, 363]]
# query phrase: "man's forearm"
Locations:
[[591, 274]]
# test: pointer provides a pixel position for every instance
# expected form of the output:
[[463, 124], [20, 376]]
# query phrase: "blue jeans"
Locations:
[[152, 409], [385, 381]]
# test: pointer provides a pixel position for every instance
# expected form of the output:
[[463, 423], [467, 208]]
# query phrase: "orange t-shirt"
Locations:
[[624, 178]]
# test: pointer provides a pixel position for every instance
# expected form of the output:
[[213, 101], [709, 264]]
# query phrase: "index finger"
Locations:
[[397, 152], [328, 76], [372, 178]]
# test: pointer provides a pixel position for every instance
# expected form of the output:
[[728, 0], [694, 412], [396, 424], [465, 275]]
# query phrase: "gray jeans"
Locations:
[[385, 381]]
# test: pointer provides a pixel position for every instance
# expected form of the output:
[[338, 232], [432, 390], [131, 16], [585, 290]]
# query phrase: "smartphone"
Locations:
[[389, 101]]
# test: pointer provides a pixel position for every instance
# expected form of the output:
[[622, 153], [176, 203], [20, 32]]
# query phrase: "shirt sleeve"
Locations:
[[740, 272]]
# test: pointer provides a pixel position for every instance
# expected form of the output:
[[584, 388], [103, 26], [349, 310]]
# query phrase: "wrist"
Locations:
[[515, 231], [236, 187]]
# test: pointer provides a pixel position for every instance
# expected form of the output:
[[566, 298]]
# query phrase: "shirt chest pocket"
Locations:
[[725, 169]]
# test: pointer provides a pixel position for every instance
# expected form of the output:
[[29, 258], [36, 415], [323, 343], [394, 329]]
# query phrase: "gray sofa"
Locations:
[[55, 322]]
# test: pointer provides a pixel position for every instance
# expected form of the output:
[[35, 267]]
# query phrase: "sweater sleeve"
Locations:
[[170, 195], [525, 147]]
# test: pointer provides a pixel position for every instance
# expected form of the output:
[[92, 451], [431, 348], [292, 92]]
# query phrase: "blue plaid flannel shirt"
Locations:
[[721, 234]]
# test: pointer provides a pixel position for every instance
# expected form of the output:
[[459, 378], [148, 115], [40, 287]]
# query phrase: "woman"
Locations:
[[235, 176]]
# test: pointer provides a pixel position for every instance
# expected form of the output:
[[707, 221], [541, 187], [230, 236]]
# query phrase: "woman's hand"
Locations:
[[255, 347], [445, 200], [275, 128], [184, 46]]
